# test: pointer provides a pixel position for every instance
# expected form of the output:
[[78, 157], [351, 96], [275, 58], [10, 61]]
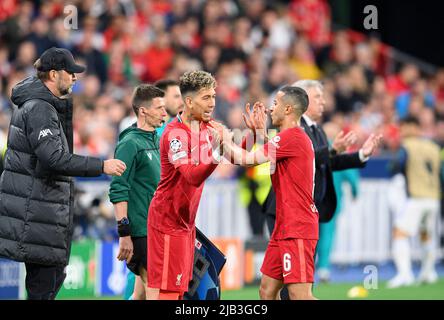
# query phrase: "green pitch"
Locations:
[[339, 292]]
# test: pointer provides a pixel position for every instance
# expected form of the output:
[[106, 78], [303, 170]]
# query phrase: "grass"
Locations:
[[338, 291]]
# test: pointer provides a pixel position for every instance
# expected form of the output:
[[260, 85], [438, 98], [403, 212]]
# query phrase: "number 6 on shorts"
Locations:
[[287, 262]]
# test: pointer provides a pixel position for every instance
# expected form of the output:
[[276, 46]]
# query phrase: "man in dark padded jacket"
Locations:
[[36, 188]]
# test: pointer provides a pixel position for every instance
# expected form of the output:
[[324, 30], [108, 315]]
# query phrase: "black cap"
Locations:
[[59, 59]]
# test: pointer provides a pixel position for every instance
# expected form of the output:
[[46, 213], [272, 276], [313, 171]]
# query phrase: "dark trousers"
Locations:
[[256, 217], [43, 282]]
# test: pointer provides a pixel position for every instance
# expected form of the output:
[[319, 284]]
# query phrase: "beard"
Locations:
[[64, 89]]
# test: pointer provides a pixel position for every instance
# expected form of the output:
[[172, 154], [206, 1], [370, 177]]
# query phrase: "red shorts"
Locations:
[[170, 260], [290, 260]]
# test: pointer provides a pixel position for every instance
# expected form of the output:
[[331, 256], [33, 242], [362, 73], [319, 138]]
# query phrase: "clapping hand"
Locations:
[[371, 144], [257, 119], [342, 142]]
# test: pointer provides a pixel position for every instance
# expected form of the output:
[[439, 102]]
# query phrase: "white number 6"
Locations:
[[287, 262]]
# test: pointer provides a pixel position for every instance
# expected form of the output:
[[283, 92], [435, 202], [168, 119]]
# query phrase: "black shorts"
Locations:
[[139, 258]]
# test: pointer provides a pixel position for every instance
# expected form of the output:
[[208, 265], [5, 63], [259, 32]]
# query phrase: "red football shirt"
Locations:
[[292, 176], [186, 161]]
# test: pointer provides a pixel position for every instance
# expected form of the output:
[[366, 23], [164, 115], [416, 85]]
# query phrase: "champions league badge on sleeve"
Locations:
[[175, 145]]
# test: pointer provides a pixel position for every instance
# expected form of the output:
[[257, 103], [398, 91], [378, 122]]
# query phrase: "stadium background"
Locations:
[[372, 79]]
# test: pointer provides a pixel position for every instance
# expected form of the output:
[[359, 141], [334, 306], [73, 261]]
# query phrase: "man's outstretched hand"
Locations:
[[114, 167]]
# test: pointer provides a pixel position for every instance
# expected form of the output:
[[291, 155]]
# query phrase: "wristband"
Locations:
[[123, 228]]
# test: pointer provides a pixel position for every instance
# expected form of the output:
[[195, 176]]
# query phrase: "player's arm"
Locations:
[[125, 243], [239, 156], [197, 174], [194, 173], [119, 196]]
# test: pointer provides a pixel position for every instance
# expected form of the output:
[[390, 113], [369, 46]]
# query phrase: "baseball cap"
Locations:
[[59, 59]]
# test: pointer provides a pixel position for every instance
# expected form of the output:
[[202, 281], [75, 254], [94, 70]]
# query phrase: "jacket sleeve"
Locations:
[[44, 136], [121, 186], [346, 161]]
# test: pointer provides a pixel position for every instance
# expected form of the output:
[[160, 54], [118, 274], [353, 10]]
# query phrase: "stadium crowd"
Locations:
[[252, 47]]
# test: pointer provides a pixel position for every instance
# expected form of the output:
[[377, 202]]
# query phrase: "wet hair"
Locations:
[[296, 97], [145, 93], [193, 81]]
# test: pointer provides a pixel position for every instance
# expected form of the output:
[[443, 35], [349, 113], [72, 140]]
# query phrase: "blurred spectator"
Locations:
[[26, 57], [312, 18], [351, 90], [40, 35], [419, 91], [340, 55], [302, 60], [252, 47], [401, 82], [159, 58]]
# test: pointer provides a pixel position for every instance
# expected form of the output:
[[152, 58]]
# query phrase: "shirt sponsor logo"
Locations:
[[43, 133], [175, 145], [313, 208], [179, 155]]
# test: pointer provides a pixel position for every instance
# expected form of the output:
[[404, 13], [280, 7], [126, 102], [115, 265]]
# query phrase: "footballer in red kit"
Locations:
[[189, 154], [290, 254]]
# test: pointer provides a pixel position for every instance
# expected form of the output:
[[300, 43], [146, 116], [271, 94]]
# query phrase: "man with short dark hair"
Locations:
[[289, 257], [36, 188], [131, 193]]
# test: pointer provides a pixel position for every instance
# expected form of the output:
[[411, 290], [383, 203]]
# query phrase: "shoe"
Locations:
[[427, 278], [401, 281], [324, 275]]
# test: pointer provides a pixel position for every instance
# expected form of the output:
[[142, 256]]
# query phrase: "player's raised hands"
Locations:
[[256, 119], [342, 142]]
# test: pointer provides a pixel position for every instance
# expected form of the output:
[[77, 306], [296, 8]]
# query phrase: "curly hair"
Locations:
[[193, 81]]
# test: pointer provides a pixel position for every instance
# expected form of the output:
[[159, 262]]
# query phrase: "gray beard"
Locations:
[[66, 92]]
